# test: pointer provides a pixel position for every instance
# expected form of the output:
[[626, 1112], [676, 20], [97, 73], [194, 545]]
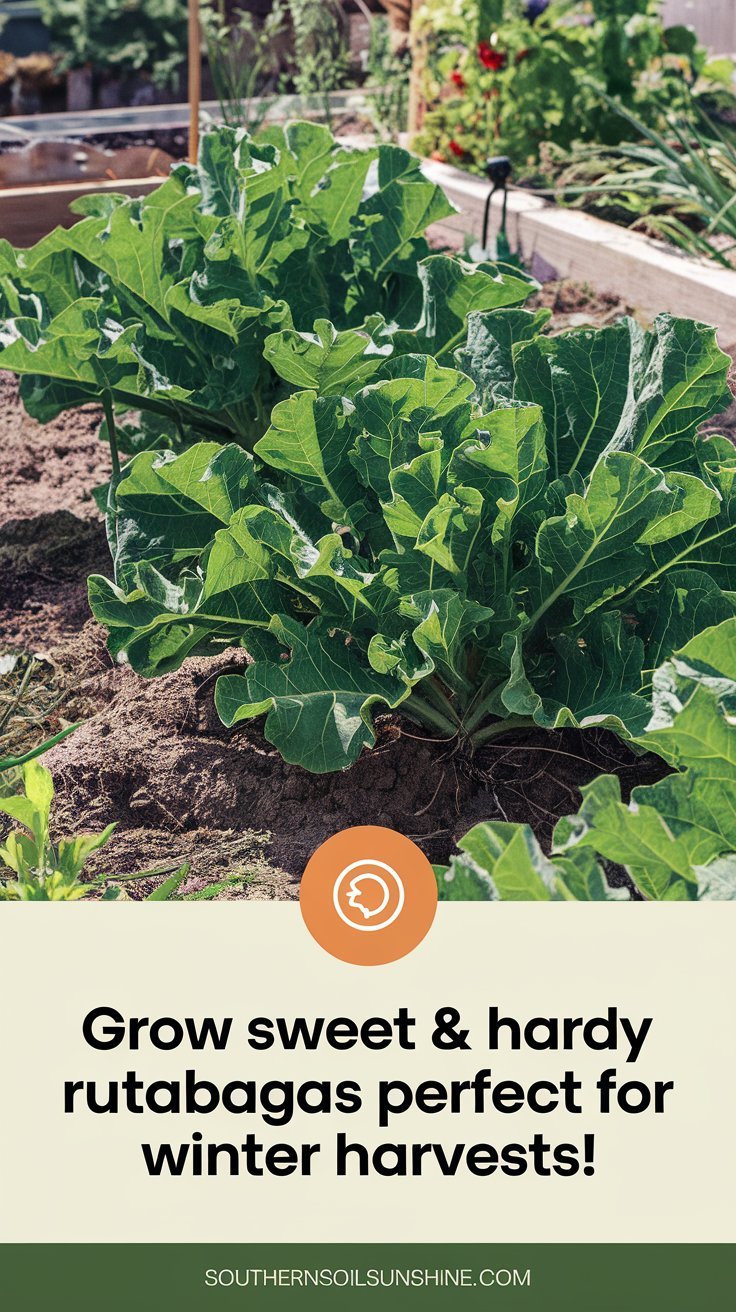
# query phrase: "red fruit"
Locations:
[[457, 79], [456, 149], [490, 57], [523, 54]]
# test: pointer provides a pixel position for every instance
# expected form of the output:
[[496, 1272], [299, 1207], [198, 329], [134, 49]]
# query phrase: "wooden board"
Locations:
[[28, 213], [562, 243], [713, 20]]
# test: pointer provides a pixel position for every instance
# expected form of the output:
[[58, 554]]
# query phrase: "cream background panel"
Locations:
[[82, 1177]]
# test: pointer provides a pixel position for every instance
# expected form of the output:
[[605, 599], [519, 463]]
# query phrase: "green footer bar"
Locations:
[[517, 1277]]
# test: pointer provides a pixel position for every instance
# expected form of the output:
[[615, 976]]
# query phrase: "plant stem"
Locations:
[[425, 714], [112, 435], [442, 701], [502, 726], [479, 707], [198, 418]]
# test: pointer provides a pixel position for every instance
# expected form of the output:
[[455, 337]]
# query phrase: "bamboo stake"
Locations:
[[194, 78]]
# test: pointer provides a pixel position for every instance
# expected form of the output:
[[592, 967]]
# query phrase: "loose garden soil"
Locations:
[[153, 756]]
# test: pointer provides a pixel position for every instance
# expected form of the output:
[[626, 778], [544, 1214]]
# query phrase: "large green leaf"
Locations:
[[327, 361], [504, 862], [676, 839], [420, 405], [452, 289], [309, 438], [328, 180], [488, 355], [624, 388], [506, 461], [446, 623], [157, 624], [687, 820], [319, 704], [594, 680], [169, 508], [389, 238], [80, 346], [596, 549]]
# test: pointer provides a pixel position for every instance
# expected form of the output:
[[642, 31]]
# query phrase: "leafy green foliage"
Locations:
[[388, 70], [521, 543], [120, 36], [44, 872], [455, 516], [47, 871], [243, 56], [676, 839], [321, 54], [676, 183], [165, 303], [504, 862], [496, 83]]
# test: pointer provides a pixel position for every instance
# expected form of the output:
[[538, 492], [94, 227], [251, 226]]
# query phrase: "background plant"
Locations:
[[244, 58], [676, 839], [680, 185], [387, 81], [34, 868], [497, 83], [321, 60], [44, 871], [119, 36]]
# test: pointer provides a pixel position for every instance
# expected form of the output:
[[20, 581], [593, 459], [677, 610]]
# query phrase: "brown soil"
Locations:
[[153, 756], [48, 467], [156, 758], [574, 304]]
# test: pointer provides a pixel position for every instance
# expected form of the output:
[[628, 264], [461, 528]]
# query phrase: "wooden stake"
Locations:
[[194, 78], [416, 77]]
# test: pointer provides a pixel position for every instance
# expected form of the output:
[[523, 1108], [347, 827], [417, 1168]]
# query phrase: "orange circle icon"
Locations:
[[368, 895]]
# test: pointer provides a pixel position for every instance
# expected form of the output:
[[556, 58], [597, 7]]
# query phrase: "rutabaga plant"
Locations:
[[517, 544], [162, 304], [676, 839]]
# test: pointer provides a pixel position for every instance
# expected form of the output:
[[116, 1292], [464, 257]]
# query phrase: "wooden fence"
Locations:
[[713, 20]]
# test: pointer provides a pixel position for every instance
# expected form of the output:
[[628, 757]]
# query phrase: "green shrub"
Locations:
[[455, 516], [496, 83], [119, 36]]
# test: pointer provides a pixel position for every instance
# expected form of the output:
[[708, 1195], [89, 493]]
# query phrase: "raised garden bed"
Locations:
[[49, 161], [562, 243]]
